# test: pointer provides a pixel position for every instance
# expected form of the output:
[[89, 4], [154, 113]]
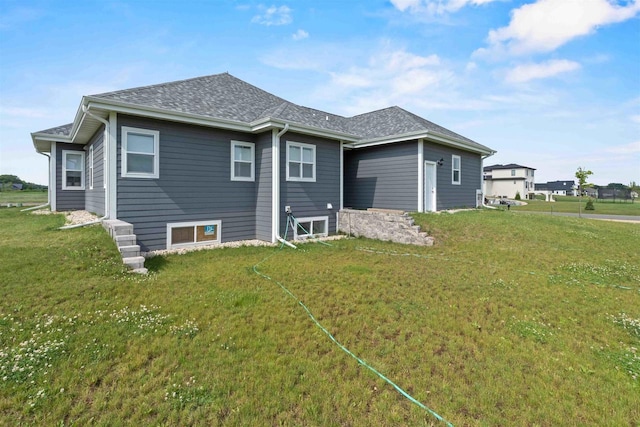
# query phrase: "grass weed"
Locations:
[[506, 320]]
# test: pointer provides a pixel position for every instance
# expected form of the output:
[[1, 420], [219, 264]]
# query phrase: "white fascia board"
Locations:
[[42, 141], [157, 113], [427, 135], [269, 123], [253, 127]]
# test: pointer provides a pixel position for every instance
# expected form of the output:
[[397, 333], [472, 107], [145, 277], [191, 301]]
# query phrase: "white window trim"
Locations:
[[156, 154], [91, 168], [301, 145], [250, 145], [453, 169], [193, 224], [310, 219], [64, 170]]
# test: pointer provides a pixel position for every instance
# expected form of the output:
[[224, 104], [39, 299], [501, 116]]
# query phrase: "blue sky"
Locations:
[[549, 84]]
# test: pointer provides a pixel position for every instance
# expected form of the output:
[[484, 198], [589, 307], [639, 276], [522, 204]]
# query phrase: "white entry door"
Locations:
[[429, 187]]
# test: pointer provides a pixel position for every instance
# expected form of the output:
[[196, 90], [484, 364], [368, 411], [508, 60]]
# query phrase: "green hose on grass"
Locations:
[[342, 347]]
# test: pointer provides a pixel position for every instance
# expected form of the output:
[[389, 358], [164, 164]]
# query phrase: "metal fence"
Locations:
[[614, 194]]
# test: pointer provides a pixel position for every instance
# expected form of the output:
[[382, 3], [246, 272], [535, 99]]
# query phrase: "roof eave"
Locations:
[[252, 127], [429, 135], [42, 141], [158, 113], [269, 123]]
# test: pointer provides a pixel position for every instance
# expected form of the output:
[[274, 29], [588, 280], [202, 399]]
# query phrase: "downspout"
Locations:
[[104, 174], [482, 180], [276, 189], [48, 189]]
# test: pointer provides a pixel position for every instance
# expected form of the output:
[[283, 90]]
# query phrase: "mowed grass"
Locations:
[[25, 196], [567, 204], [507, 320]]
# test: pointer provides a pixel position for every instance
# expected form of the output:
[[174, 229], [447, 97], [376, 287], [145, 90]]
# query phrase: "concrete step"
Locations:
[[129, 251], [135, 262], [117, 227], [125, 240], [140, 270]]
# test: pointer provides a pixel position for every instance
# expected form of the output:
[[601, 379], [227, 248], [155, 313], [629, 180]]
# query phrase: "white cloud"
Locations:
[[545, 25], [390, 77], [633, 147], [526, 72], [635, 118], [435, 7], [21, 112], [300, 35], [273, 15]]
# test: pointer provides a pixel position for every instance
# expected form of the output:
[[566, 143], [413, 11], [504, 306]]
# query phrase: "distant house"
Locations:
[[11, 186], [215, 159], [508, 180], [558, 188]]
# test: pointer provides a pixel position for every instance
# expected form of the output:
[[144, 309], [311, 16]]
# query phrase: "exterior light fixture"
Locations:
[[441, 162]]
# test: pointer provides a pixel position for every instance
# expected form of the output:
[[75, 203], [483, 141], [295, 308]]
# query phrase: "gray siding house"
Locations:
[[215, 159]]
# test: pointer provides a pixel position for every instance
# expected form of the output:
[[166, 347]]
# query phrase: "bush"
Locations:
[[518, 195], [589, 206]]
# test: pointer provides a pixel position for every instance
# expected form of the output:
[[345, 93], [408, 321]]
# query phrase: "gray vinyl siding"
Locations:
[[194, 184], [67, 200], [309, 199], [384, 176], [449, 196], [264, 185], [94, 198]]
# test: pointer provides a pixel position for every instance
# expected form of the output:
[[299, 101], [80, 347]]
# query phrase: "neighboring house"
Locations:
[[215, 159], [11, 186], [559, 188], [509, 180]]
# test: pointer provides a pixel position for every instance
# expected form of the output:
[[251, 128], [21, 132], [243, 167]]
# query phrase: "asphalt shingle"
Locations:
[[223, 96]]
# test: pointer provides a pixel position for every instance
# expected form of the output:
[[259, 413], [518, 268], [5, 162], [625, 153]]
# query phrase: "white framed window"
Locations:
[[72, 170], [195, 233], [140, 158], [301, 162], [91, 168], [317, 226], [513, 172], [243, 159], [456, 170]]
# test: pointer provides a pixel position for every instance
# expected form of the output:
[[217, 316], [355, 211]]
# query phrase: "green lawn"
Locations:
[[572, 205], [23, 196], [507, 320]]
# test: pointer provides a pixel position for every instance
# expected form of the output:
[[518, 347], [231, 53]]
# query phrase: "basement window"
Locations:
[[184, 234], [311, 227]]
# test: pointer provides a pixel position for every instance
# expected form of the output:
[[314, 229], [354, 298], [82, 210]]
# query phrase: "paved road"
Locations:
[[625, 218]]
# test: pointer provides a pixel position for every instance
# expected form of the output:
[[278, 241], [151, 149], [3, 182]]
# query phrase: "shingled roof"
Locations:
[[508, 166], [225, 97]]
